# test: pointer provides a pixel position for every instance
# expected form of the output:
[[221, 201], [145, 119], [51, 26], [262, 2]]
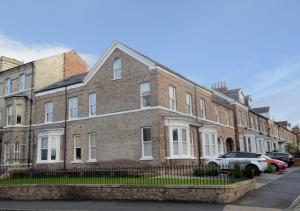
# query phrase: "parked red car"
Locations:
[[276, 164]]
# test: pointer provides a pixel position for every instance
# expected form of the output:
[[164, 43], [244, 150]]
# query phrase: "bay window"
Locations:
[[180, 142], [211, 146], [19, 113], [220, 147], [49, 147]]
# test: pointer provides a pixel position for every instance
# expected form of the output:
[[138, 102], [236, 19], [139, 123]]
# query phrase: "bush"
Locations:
[[292, 148], [236, 172], [206, 171], [269, 169], [249, 172]]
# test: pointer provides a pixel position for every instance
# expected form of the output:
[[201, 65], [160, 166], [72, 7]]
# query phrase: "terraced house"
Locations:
[[18, 83], [130, 108], [127, 109]]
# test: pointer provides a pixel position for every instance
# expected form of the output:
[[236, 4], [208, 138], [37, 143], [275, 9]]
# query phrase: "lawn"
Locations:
[[113, 181]]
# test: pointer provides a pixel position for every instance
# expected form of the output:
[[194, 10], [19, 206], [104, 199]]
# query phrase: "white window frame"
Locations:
[[52, 136], [189, 104], [17, 152], [117, 69], [19, 109], [217, 114], [8, 84], [144, 94], [91, 106], [49, 111], [9, 113], [94, 146], [180, 141], [210, 145], [220, 146], [22, 82], [75, 99], [148, 157], [172, 98], [75, 147], [203, 108], [7, 153], [227, 117]]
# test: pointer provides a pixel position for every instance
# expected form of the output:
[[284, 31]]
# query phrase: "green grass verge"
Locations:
[[112, 181]]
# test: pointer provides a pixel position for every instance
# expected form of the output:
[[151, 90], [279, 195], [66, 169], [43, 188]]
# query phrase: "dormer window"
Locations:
[[117, 69]]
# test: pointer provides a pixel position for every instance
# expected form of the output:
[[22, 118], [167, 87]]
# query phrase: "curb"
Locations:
[[295, 203]]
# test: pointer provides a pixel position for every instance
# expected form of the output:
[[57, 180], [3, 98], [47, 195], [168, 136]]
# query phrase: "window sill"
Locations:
[[49, 162], [76, 161], [181, 158], [146, 158], [115, 79], [91, 161]]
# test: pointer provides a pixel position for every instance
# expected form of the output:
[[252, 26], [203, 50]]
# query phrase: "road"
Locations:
[[277, 194]]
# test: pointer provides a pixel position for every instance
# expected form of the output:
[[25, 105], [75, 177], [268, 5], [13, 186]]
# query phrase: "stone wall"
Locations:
[[216, 194]]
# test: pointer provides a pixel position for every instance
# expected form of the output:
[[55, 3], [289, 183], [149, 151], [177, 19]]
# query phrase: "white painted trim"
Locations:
[[76, 161], [49, 162], [3, 96], [181, 158], [114, 45], [131, 111], [146, 158], [91, 161]]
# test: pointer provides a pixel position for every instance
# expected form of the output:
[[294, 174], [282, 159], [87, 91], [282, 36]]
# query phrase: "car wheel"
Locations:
[[254, 169], [274, 168]]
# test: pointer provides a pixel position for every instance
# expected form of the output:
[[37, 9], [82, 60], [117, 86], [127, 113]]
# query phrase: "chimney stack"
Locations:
[[220, 86]]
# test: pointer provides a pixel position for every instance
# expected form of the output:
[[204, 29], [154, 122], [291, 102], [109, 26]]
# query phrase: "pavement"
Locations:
[[279, 192], [274, 192]]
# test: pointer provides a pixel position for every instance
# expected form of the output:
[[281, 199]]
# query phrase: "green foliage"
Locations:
[[249, 172], [292, 148], [206, 171], [236, 172], [269, 168]]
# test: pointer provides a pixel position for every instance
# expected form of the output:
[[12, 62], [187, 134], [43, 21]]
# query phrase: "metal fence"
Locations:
[[128, 175]]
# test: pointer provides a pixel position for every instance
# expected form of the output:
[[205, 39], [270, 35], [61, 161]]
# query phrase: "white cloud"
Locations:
[[279, 88], [26, 53]]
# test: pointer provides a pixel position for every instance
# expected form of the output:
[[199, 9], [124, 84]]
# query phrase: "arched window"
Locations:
[[117, 69]]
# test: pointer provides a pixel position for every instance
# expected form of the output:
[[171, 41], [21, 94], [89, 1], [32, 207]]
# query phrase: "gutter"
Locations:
[[30, 116]]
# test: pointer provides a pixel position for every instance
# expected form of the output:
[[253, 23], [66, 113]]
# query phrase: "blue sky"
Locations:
[[251, 44]]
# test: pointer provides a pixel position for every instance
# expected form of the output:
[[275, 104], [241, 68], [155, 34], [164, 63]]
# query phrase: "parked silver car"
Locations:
[[253, 161]]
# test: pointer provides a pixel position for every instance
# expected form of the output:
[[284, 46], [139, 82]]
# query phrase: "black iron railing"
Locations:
[[129, 175]]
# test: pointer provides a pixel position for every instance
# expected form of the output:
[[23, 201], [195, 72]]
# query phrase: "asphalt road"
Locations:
[[278, 194], [107, 206]]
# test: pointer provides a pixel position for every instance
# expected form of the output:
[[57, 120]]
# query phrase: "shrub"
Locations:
[[269, 168], [249, 172], [236, 172], [206, 171]]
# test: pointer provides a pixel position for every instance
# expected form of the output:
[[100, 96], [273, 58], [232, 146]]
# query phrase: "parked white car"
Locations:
[[249, 160]]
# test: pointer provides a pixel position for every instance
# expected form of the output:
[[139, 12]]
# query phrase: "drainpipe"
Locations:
[[65, 134], [198, 127], [30, 114]]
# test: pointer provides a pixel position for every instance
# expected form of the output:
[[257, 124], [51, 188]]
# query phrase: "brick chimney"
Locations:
[[220, 86], [8, 63]]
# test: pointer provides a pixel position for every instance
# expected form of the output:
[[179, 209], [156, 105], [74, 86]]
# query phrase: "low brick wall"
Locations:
[[297, 162], [219, 194]]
